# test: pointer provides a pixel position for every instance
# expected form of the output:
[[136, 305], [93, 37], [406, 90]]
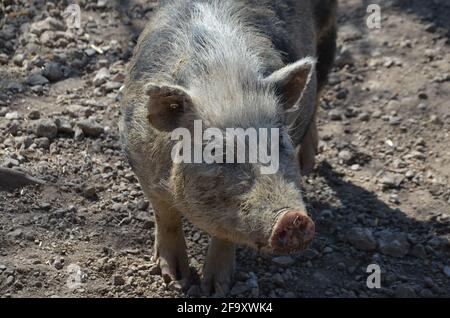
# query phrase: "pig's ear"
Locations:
[[290, 81], [166, 105]]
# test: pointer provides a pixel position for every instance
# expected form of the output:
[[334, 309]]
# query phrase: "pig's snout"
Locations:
[[292, 232]]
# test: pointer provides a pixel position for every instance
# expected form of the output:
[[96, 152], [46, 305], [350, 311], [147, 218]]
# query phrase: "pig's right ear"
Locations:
[[166, 105]]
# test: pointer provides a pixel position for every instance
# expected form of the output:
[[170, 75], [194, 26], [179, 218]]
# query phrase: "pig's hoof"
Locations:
[[217, 281], [173, 264], [219, 268], [292, 232], [307, 161]]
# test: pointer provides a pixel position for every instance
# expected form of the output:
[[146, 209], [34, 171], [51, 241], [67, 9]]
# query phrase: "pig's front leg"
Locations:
[[309, 149], [219, 267], [170, 246]]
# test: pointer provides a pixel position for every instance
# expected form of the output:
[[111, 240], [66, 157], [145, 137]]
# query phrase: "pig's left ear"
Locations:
[[291, 81], [166, 105]]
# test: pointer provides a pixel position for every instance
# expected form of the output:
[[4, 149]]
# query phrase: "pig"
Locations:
[[229, 64]]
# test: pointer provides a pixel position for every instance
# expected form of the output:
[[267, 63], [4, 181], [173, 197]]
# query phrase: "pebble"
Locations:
[[283, 260], [46, 128], [418, 251], [362, 239], [43, 142], [239, 288], [175, 286], [101, 77], [278, 280], [34, 115], [91, 128], [36, 79], [9, 280], [118, 280], [335, 114], [53, 72], [393, 244], [345, 155], [446, 271], [404, 291], [12, 116], [58, 264], [18, 59], [64, 126], [47, 24]]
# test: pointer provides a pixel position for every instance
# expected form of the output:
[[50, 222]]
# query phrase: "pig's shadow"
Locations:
[[358, 201]]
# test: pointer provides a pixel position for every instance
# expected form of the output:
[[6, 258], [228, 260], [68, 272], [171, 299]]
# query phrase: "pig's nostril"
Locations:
[[292, 232]]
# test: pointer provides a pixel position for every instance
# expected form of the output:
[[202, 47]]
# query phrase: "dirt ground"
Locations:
[[380, 193]]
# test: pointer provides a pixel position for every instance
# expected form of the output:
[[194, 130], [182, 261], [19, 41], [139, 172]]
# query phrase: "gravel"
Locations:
[[379, 193]]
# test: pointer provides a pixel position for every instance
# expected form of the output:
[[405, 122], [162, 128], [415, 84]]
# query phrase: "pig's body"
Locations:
[[223, 62]]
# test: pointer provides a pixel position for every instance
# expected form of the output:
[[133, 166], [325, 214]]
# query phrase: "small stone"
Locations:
[[12, 116], [426, 293], [15, 235], [393, 244], [64, 126], [36, 79], [283, 260], [118, 280], [278, 280], [90, 191], [335, 114], [101, 77], [362, 239], [43, 142], [404, 291], [345, 155], [9, 280], [239, 288], [155, 270], [364, 116], [431, 28], [91, 128], [46, 128], [58, 264], [418, 251], [34, 115], [142, 205], [18, 59], [10, 162], [395, 120], [391, 181], [48, 24], [53, 72], [344, 58], [175, 286], [342, 94], [112, 86], [446, 271]]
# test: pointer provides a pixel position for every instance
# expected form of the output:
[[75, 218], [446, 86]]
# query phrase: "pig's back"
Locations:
[[288, 24]]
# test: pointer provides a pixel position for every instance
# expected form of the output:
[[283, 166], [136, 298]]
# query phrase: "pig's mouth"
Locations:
[[293, 231]]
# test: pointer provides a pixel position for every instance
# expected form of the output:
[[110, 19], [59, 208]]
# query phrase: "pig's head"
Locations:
[[238, 201]]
